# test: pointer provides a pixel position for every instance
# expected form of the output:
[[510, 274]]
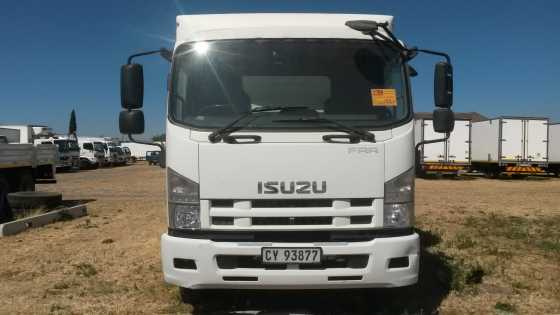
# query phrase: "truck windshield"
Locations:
[[66, 145], [73, 146], [356, 82], [98, 146]]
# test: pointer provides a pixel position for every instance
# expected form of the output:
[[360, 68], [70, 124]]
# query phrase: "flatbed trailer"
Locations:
[[22, 165]]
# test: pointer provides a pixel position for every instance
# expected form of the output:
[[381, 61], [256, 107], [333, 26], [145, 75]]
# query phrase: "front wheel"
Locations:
[[25, 181], [189, 296]]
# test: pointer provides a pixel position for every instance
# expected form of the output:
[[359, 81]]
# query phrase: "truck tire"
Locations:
[[192, 297], [6, 213], [24, 181], [34, 199]]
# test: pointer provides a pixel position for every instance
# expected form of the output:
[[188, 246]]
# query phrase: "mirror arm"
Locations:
[[164, 52], [431, 141], [433, 52]]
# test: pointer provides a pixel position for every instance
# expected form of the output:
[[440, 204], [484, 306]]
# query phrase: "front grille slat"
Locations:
[[292, 221], [292, 203], [291, 213]]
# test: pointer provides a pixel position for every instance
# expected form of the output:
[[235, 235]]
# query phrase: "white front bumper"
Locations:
[[208, 275]]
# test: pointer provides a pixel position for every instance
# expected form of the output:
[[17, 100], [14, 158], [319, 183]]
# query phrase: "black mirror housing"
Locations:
[[443, 85], [411, 71], [132, 86], [444, 120], [131, 122]]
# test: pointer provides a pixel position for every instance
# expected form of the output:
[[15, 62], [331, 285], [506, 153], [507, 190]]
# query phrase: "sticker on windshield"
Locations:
[[384, 97]]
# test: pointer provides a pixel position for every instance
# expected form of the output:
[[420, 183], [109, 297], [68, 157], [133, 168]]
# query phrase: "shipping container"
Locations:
[[554, 148], [510, 144], [448, 156]]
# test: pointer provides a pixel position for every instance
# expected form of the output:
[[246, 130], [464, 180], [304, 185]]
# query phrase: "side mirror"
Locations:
[[132, 86], [444, 120], [131, 122], [443, 85]]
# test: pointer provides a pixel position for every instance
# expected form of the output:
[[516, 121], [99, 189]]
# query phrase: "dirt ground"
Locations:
[[489, 246]]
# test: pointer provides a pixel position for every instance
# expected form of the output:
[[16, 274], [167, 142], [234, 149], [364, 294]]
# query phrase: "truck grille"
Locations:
[[291, 214]]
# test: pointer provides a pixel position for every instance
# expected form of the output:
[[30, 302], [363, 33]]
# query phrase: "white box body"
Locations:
[[510, 140], [456, 150], [554, 144]]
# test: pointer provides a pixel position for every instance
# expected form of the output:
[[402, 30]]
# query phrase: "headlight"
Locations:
[[183, 201], [398, 210]]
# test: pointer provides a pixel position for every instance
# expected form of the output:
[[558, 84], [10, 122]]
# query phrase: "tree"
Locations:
[[72, 127], [159, 138]]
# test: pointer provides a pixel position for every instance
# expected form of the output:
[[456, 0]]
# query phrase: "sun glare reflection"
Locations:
[[201, 48]]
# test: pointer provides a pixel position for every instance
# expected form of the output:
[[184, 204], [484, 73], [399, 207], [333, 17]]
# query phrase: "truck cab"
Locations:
[[127, 154], [289, 154], [117, 155], [153, 157], [68, 152], [92, 155]]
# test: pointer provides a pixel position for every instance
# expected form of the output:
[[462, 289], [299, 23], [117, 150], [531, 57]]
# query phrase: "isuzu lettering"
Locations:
[[289, 151]]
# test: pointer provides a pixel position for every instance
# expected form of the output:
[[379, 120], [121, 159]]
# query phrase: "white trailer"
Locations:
[[450, 156], [554, 148], [138, 150], [510, 144]]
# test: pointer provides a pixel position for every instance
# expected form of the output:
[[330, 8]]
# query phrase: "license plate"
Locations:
[[291, 255]]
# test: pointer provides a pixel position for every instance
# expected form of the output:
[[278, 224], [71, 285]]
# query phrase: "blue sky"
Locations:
[[62, 55]]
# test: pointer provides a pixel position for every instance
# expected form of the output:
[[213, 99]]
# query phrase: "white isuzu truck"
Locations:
[[289, 151]]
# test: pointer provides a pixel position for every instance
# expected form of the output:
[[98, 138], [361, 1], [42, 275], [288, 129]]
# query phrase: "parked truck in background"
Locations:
[[117, 155], [101, 143], [68, 151], [451, 156], [153, 157], [22, 164], [139, 150], [512, 145], [289, 151], [92, 153], [554, 148], [128, 154], [447, 157]]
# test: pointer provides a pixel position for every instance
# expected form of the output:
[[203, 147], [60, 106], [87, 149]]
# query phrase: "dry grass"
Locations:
[[503, 241], [492, 246]]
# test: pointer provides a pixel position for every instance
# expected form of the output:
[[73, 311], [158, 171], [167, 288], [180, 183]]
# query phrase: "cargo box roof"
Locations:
[[270, 25], [472, 116]]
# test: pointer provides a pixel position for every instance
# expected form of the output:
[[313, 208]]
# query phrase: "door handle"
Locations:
[[336, 138], [243, 138]]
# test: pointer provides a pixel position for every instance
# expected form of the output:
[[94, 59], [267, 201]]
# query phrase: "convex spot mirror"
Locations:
[[132, 86], [443, 85], [444, 120], [131, 122]]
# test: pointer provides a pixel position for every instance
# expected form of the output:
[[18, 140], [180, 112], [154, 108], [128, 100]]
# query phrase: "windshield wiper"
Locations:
[[219, 134], [356, 132]]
